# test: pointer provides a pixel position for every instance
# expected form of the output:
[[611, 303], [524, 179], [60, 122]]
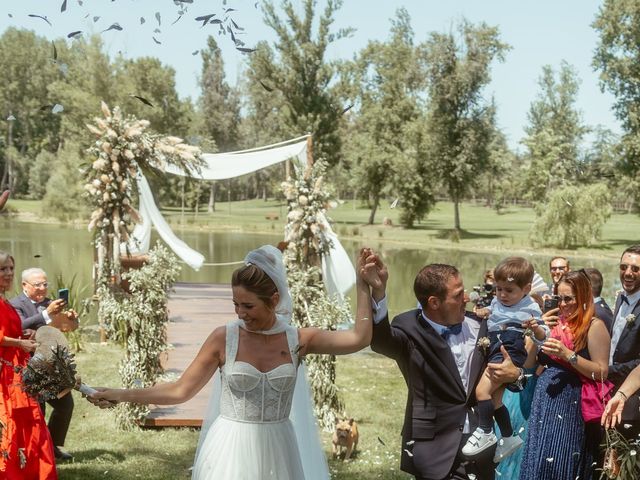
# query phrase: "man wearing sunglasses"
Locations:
[[625, 336], [36, 310], [558, 266]]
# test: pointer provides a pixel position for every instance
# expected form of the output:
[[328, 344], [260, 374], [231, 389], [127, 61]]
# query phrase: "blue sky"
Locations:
[[540, 32]]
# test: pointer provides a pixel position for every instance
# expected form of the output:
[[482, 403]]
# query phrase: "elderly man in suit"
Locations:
[[437, 350], [36, 310], [625, 336]]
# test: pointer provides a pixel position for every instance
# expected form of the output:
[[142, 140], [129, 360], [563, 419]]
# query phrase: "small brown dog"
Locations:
[[345, 435]]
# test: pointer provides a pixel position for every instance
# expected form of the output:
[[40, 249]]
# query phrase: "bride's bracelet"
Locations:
[[363, 319], [624, 395]]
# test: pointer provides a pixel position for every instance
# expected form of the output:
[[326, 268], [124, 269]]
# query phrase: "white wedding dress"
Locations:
[[252, 438]]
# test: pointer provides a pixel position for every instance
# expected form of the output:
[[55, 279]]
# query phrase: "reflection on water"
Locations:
[[67, 250]]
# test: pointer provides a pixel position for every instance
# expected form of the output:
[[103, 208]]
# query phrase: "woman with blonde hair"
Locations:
[[26, 449], [560, 444]]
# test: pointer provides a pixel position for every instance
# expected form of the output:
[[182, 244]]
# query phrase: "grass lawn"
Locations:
[[483, 228], [372, 388]]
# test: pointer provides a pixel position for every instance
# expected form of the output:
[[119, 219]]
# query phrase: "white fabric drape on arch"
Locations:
[[337, 268]]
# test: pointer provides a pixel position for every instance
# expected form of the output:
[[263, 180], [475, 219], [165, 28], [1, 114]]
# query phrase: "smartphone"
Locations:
[[63, 294], [550, 304]]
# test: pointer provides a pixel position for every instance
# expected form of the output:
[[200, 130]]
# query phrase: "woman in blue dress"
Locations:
[[558, 444]]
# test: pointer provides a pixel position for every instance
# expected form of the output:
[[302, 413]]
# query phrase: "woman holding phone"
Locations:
[[559, 444]]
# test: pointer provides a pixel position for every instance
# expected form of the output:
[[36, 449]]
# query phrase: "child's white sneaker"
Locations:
[[478, 442], [506, 446]]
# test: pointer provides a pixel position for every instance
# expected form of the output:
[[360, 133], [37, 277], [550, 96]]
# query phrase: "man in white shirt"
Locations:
[[625, 336]]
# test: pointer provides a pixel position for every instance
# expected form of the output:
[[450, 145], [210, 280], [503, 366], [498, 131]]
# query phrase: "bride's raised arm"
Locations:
[[314, 340]]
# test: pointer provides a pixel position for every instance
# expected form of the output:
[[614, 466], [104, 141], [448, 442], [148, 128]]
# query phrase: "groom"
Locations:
[[436, 350]]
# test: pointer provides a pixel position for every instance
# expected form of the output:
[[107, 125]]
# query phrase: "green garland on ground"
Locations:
[[138, 321], [312, 306]]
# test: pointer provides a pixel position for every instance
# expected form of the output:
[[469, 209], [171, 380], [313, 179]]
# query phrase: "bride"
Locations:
[[258, 357]]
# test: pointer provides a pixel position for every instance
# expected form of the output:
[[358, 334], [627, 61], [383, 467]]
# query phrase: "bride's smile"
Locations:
[[254, 311]]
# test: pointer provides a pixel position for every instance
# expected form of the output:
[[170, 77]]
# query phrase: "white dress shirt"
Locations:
[[620, 322], [45, 314], [462, 345]]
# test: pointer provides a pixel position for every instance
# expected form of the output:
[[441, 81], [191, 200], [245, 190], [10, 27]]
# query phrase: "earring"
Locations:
[[584, 306]]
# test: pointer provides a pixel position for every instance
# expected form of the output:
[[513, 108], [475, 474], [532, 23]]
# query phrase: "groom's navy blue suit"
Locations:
[[437, 403]]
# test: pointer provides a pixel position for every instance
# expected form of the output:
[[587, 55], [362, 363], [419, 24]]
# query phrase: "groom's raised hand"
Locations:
[[374, 272]]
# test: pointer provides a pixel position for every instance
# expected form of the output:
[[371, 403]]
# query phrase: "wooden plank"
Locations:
[[195, 310]]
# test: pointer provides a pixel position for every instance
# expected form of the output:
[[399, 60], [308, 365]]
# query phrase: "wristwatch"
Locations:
[[519, 384], [573, 358]]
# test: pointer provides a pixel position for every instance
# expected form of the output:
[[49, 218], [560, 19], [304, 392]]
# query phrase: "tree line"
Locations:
[[403, 121]]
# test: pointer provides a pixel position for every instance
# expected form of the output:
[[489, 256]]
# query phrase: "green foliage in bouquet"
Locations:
[[620, 458], [44, 378], [137, 321], [312, 306]]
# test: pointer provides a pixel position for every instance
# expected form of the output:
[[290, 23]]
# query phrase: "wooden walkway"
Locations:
[[195, 310]]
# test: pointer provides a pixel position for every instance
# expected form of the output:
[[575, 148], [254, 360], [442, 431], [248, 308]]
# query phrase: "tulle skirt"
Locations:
[[249, 451]]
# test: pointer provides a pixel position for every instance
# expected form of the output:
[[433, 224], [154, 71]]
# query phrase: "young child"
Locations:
[[513, 311]]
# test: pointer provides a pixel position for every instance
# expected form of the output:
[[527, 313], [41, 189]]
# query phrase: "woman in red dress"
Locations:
[[26, 449]]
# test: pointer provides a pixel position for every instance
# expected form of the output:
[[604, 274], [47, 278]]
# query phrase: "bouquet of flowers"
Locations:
[[51, 372], [620, 458]]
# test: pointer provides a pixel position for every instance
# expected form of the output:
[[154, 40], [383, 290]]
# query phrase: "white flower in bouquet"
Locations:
[[128, 154], [99, 164], [115, 166], [132, 132], [105, 178], [106, 147], [96, 183], [303, 200], [295, 215], [105, 110], [105, 197], [173, 140], [94, 130], [315, 229]]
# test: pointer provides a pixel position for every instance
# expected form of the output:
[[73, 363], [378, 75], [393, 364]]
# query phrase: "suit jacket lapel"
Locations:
[[628, 326], [477, 361], [441, 349], [617, 307]]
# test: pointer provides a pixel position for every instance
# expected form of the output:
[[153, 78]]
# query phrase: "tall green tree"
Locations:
[[147, 77], [219, 107], [554, 133], [617, 57], [297, 69], [219, 103], [27, 125], [89, 78], [388, 79], [460, 121]]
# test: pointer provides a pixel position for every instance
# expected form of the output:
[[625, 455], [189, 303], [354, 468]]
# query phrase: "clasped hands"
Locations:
[[372, 271], [99, 399]]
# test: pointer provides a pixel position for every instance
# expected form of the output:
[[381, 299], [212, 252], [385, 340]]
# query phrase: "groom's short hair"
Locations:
[[431, 281]]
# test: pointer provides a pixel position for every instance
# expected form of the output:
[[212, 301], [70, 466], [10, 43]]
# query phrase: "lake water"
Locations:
[[67, 250]]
